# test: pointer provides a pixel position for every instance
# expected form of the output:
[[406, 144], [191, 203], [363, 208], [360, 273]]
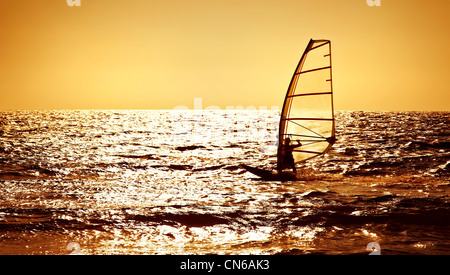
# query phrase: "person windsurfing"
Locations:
[[288, 158]]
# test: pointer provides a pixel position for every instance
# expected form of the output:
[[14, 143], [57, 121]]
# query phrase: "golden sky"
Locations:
[[148, 54]]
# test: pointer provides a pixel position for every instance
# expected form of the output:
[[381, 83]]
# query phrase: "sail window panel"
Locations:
[[308, 130], [315, 106], [311, 134], [313, 82], [317, 58], [309, 151]]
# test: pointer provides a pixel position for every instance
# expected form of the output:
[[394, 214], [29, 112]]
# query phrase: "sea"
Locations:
[[160, 182]]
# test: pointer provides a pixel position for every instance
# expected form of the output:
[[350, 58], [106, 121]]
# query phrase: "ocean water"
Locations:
[[170, 182]]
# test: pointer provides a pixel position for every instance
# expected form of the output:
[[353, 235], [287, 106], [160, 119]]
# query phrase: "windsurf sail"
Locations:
[[307, 126]]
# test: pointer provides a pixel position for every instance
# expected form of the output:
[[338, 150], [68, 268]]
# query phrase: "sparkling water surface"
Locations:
[[170, 182]]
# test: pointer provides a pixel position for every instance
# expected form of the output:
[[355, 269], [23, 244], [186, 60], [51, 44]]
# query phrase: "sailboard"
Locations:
[[307, 123], [270, 175]]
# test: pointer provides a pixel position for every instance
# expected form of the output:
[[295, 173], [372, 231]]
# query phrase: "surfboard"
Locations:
[[268, 175]]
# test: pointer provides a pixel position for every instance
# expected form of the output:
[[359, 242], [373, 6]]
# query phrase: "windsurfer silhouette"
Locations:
[[288, 158]]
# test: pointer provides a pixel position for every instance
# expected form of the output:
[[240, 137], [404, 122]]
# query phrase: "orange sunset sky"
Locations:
[[145, 54]]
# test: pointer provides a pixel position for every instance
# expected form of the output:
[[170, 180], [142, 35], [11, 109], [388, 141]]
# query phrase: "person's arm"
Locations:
[[299, 144]]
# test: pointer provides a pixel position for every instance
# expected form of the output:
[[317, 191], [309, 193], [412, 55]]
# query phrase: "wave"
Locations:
[[43, 219], [147, 156], [123, 176], [10, 171], [327, 209], [187, 219], [189, 148], [420, 145]]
